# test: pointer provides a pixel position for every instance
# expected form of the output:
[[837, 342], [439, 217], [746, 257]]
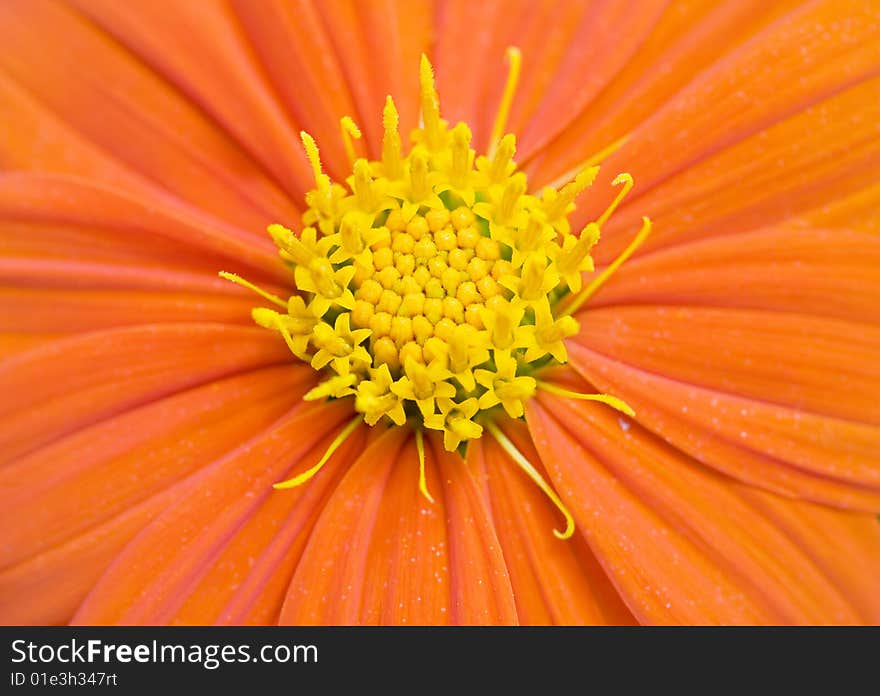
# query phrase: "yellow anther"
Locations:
[[363, 187], [391, 156], [335, 387], [502, 165], [514, 60], [349, 130], [306, 475], [599, 280], [562, 203], [606, 399], [627, 181], [269, 319], [462, 155], [322, 181], [430, 105], [547, 335], [298, 251], [520, 459], [513, 190], [536, 281], [575, 258]]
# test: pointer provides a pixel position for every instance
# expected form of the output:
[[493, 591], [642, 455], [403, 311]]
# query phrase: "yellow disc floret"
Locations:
[[432, 286]]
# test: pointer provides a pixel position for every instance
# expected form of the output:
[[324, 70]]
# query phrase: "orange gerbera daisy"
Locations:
[[437, 360]]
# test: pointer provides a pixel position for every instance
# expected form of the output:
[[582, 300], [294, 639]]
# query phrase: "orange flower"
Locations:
[[144, 418]]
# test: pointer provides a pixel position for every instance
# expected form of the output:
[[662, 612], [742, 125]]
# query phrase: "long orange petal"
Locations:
[[554, 581], [662, 574], [151, 579], [121, 105], [58, 388], [71, 506], [829, 273], [781, 449], [769, 569], [818, 365]]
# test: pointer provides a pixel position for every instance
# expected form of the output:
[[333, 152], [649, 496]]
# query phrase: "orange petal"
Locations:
[[845, 545], [796, 62], [330, 580], [830, 273], [660, 571], [69, 384], [289, 39], [151, 579], [554, 581], [200, 51], [689, 37], [59, 207], [68, 508], [610, 34], [780, 449], [247, 580], [816, 365], [752, 554], [90, 310], [118, 103], [382, 554], [817, 156], [378, 46]]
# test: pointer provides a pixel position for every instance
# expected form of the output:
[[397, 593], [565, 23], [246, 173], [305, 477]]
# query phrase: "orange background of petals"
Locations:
[[143, 418]]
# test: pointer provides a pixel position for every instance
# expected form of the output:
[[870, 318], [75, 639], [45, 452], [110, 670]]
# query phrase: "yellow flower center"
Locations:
[[432, 286]]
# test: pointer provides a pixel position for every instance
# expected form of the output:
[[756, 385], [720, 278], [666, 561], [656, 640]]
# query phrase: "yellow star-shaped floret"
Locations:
[[504, 386]]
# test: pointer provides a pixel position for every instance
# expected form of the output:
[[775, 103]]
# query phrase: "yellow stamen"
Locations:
[[430, 104], [591, 161], [423, 483], [238, 280], [349, 130], [322, 181], [599, 280], [533, 474], [306, 475], [606, 399], [627, 181], [514, 59], [391, 141]]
